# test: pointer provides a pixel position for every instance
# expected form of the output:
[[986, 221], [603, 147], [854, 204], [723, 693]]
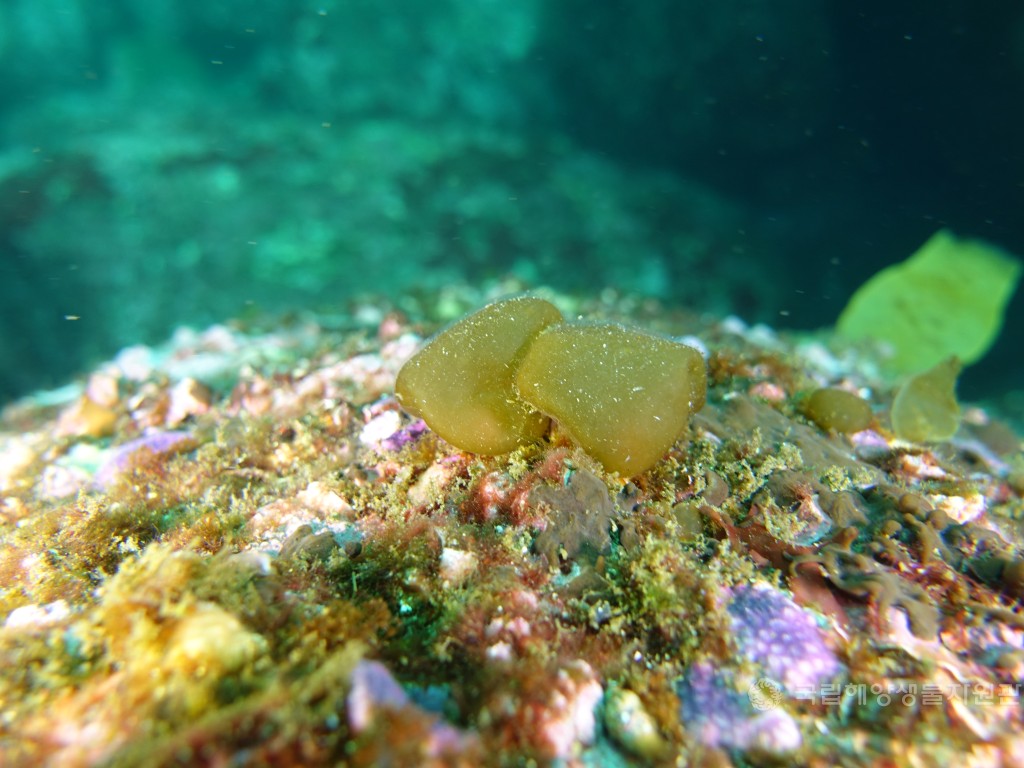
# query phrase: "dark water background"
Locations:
[[167, 162]]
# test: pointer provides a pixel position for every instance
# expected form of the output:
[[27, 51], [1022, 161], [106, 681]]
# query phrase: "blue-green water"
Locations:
[[177, 162]]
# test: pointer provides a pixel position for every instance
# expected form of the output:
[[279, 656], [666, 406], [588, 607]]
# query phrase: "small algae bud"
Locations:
[[925, 408], [460, 383], [837, 410], [623, 395]]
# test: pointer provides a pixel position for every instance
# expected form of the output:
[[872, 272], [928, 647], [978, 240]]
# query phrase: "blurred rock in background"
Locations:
[[166, 163]]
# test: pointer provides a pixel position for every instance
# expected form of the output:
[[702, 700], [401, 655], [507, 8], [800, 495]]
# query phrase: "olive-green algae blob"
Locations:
[[837, 410], [460, 383], [947, 299], [925, 408], [623, 395]]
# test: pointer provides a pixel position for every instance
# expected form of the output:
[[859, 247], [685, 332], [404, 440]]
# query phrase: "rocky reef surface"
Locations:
[[235, 548]]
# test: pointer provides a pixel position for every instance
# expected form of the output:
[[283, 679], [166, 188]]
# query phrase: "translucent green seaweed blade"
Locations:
[[947, 299], [925, 409]]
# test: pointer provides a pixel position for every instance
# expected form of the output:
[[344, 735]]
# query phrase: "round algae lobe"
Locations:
[[623, 395], [925, 407], [460, 383], [838, 410]]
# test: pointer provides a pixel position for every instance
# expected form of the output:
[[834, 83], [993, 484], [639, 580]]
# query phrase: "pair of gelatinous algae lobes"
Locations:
[[490, 383]]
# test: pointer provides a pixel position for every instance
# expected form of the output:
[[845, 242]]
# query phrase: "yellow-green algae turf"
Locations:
[[460, 384], [947, 299], [623, 395], [925, 408]]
